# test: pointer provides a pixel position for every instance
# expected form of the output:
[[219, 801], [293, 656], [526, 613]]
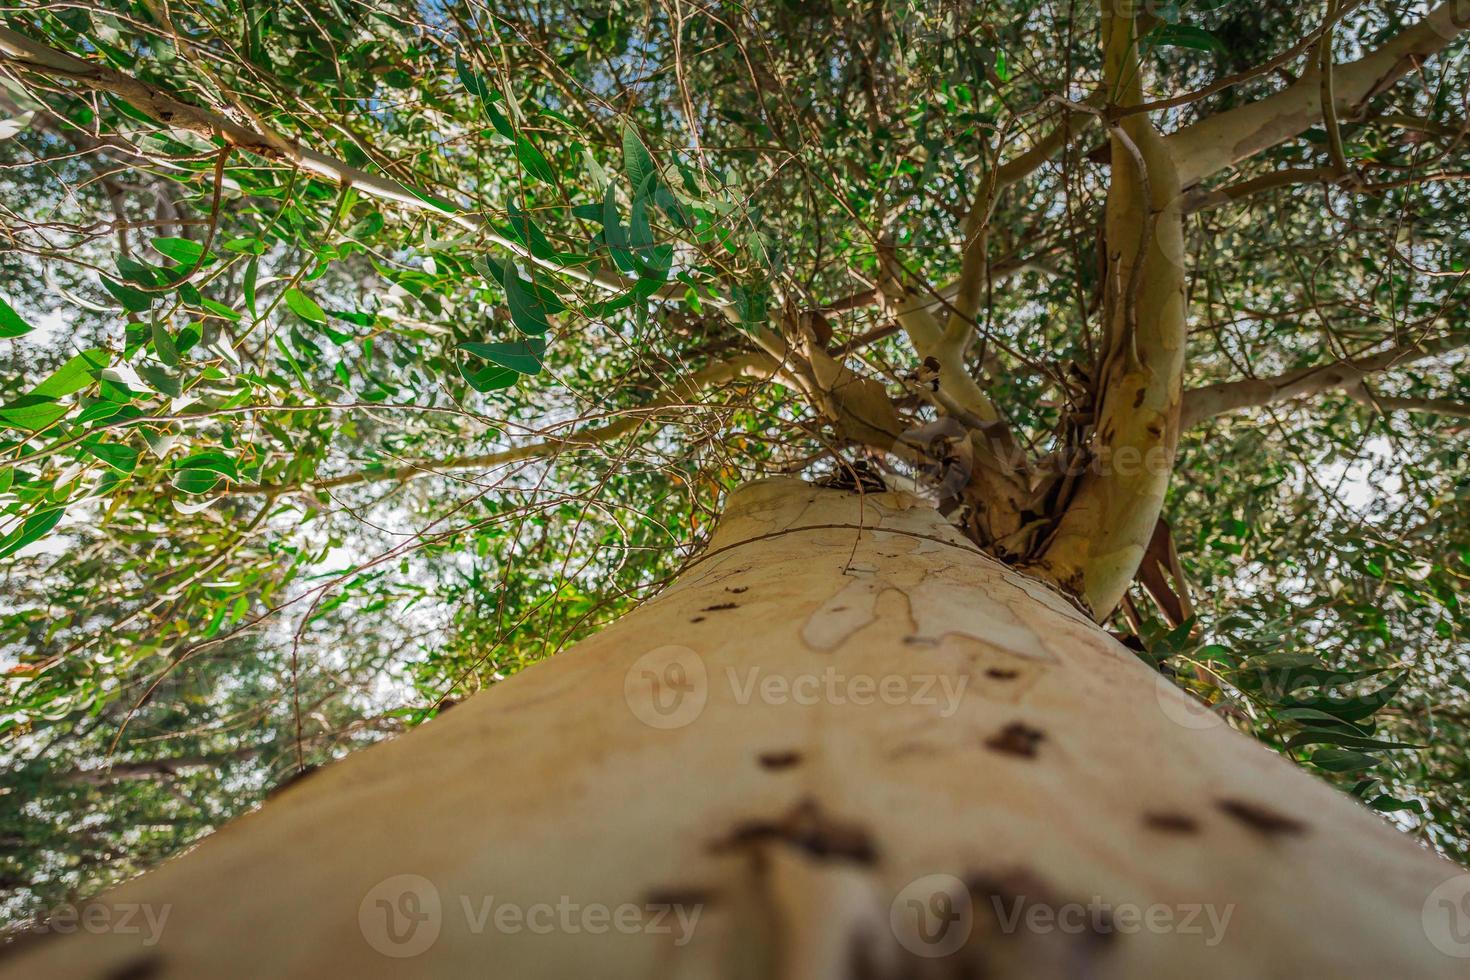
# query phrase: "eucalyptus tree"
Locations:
[[362, 355]]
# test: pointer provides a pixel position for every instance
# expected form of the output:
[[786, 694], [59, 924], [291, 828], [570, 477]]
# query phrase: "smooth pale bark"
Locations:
[[1063, 771], [1100, 541], [1201, 404]]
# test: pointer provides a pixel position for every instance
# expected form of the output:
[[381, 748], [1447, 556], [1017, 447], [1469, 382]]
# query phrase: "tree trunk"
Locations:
[[843, 744]]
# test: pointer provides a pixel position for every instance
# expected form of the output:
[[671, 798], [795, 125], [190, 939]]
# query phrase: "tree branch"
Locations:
[[1201, 404], [1212, 144], [1097, 546], [1427, 406]]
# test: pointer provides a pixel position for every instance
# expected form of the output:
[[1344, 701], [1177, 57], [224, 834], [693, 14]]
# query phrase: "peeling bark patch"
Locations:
[[1017, 738], [780, 760], [807, 828], [1171, 823], [1260, 819], [292, 780], [140, 968], [1001, 673]]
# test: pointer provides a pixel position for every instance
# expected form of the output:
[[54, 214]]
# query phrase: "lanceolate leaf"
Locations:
[[305, 307], [1186, 36], [76, 374], [132, 300], [533, 161], [523, 356], [11, 325], [33, 528], [122, 458], [638, 164], [526, 311], [184, 251], [488, 378]]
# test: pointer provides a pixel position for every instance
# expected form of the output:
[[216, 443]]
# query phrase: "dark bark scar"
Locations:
[[806, 827], [1171, 823], [1017, 738], [1260, 819]]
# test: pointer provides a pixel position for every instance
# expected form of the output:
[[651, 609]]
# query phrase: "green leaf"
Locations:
[[76, 374], [131, 299], [215, 462], [1186, 36], [253, 246], [1319, 737], [489, 378], [1343, 760], [1352, 709], [32, 412], [533, 161], [305, 307], [134, 271], [184, 251], [219, 310], [122, 458], [201, 472], [526, 311], [159, 379], [11, 325], [523, 356], [637, 163], [195, 481], [355, 317], [614, 233], [1392, 804], [499, 121], [523, 230], [252, 272], [472, 80], [163, 345], [31, 529]]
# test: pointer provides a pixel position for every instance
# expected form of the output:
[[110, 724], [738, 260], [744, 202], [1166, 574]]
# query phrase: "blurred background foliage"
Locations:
[[256, 508]]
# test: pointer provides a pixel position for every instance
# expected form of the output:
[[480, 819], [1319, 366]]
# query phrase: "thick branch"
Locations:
[[1098, 544], [1209, 401], [1220, 141], [1428, 406]]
